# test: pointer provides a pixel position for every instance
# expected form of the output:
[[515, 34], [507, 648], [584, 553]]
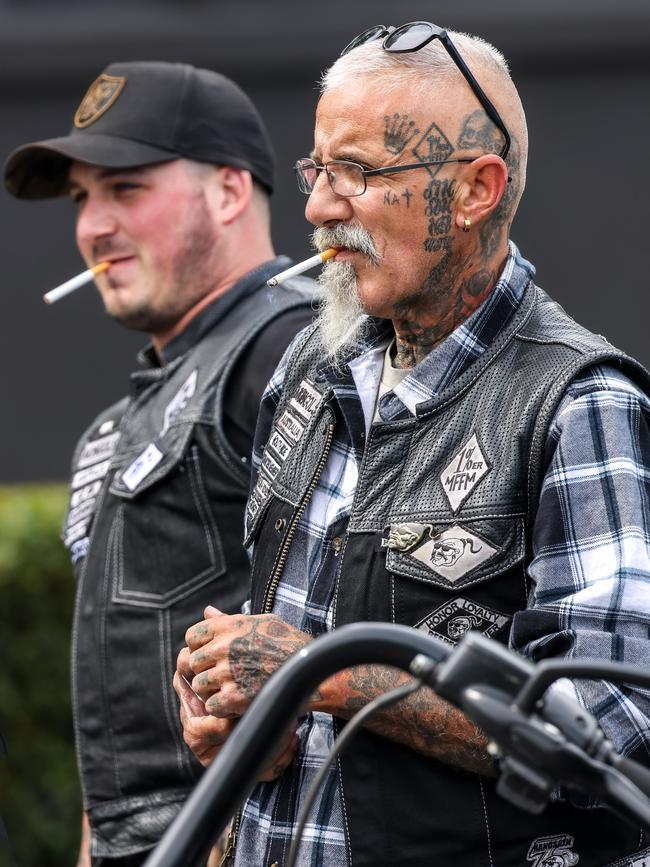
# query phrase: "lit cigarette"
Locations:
[[70, 285], [318, 259]]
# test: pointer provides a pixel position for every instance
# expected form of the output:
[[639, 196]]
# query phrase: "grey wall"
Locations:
[[583, 70]]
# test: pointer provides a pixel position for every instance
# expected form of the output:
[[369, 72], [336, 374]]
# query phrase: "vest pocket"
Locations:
[[165, 539], [455, 555]]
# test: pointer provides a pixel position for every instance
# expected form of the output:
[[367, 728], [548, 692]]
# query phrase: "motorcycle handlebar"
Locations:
[[457, 674]]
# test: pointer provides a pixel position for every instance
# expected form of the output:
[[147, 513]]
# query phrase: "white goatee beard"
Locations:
[[342, 320], [341, 317]]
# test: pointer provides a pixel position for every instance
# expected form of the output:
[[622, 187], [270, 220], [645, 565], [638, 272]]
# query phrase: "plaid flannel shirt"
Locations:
[[591, 563]]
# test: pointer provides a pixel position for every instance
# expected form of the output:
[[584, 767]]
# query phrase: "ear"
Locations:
[[481, 189], [236, 193]]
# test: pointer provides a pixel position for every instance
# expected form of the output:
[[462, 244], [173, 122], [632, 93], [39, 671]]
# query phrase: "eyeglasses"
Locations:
[[413, 37], [349, 179]]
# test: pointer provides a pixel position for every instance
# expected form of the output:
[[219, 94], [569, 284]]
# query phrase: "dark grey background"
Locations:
[[583, 70]]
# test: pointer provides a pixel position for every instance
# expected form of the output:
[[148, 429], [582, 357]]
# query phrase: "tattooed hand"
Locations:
[[227, 660]]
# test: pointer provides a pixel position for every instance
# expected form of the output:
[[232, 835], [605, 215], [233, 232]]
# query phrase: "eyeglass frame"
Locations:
[[380, 31], [368, 173]]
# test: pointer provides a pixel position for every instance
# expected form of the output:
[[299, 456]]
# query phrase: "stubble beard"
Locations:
[[187, 278]]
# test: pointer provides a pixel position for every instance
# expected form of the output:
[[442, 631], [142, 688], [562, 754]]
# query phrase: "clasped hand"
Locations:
[[227, 660]]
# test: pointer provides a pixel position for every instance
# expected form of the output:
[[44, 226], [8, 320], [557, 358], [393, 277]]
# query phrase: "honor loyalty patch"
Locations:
[[457, 616]]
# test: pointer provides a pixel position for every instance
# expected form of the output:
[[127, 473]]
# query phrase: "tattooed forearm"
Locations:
[[422, 721], [266, 644]]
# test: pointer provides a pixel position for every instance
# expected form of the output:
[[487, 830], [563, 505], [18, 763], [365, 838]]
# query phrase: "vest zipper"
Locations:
[[228, 856], [231, 845], [288, 539]]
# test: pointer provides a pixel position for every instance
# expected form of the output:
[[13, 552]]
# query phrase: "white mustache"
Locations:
[[344, 235]]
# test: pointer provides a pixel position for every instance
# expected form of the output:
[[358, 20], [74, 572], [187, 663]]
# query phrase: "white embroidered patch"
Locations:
[[306, 400], [85, 477], [98, 450], [290, 426], [454, 552], [76, 531], [270, 466], [553, 851], [279, 445], [84, 494], [456, 617], [463, 473], [142, 466], [83, 510], [179, 401]]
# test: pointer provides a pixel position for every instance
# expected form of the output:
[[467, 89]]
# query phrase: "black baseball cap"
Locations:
[[146, 112]]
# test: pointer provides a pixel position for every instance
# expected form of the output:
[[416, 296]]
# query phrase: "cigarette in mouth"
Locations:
[[312, 262], [70, 285]]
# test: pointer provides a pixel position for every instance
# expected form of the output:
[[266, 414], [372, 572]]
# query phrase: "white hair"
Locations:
[[431, 62]]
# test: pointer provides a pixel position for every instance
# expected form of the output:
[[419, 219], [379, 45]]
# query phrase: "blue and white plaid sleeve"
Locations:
[[591, 549]]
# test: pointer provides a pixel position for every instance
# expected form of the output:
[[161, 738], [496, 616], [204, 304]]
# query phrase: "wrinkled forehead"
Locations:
[[372, 116]]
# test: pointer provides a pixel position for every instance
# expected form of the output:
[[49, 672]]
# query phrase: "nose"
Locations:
[[95, 220], [325, 206]]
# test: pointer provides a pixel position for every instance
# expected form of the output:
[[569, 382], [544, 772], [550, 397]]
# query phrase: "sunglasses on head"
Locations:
[[413, 37]]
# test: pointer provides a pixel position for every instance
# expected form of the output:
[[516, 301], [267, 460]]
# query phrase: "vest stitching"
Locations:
[[460, 585], [77, 608], [346, 826], [163, 635], [199, 498], [114, 545], [487, 823], [363, 528]]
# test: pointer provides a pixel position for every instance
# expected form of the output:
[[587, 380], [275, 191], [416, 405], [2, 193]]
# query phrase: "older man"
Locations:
[[446, 450], [170, 168]]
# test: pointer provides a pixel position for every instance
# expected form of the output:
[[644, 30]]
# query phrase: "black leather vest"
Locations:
[[439, 539], [155, 527]]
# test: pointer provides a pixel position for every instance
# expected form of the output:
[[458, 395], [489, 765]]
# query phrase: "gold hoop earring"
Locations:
[[467, 225]]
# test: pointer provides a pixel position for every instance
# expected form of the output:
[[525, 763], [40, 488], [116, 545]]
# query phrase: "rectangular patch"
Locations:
[[262, 487], [291, 426], [306, 400], [142, 466], [458, 616], [84, 494], [98, 450], [269, 465], [75, 532], [253, 506], [81, 511], [85, 477], [279, 445]]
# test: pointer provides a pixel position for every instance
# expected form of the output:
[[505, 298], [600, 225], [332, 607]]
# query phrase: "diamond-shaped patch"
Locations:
[[463, 473], [454, 552]]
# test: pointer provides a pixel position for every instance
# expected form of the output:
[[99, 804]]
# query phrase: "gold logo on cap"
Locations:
[[99, 97]]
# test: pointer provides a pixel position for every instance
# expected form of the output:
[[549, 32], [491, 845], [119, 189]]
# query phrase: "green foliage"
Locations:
[[39, 793]]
